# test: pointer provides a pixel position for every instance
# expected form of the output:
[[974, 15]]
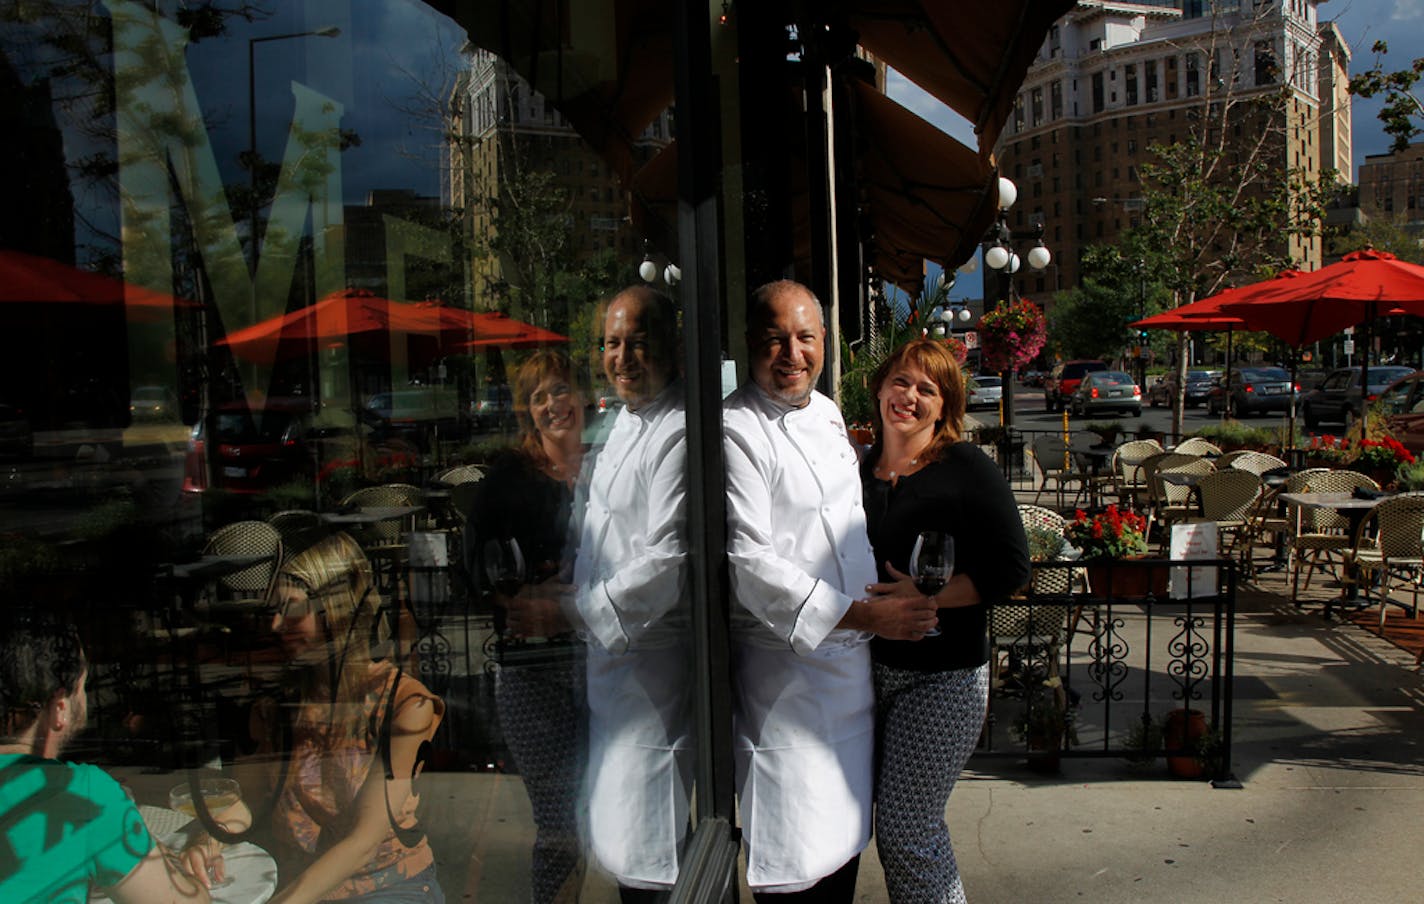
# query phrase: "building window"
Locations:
[[1130, 80], [1149, 70], [1193, 75], [1055, 99], [1036, 104], [1097, 92], [1266, 68], [1169, 78]]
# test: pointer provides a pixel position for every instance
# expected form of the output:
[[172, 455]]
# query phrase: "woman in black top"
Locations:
[[932, 693], [527, 495]]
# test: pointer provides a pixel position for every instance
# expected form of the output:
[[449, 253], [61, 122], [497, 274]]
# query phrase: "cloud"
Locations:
[[1407, 11]]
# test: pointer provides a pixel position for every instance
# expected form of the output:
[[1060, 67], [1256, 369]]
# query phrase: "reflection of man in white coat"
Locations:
[[630, 597], [800, 563]]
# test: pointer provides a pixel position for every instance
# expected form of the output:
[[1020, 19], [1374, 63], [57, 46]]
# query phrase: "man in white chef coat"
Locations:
[[631, 604], [800, 564]]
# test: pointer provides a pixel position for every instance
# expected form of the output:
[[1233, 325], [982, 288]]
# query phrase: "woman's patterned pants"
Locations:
[[928, 725]]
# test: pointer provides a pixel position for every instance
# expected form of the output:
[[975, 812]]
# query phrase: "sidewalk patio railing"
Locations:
[[1115, 665]]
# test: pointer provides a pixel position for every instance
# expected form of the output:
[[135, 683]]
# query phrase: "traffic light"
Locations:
[[1142, 334]]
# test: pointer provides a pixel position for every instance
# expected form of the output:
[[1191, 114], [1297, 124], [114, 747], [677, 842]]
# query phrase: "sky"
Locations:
[[1361, 22]]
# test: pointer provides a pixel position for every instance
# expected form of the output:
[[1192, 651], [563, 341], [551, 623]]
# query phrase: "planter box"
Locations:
[[1123, 580]]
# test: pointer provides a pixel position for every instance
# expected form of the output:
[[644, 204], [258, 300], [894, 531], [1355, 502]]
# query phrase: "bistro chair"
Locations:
[[459, 474], [1390, 546], [240, 598], [1228, 498], [1324, 534], [299, 529], [1196, 445], [1173, 502], [1057, 464], [1128, 484], [1034, 632], [384, 541], [1255, 462], [1149, 468]]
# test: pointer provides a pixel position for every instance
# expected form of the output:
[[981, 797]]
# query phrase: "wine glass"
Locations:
[[504, 565], [932, 564], [219, 795]]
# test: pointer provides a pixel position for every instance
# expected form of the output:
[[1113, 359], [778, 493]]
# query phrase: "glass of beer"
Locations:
[[218, 793]]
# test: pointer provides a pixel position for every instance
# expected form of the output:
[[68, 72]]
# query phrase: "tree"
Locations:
[[1401, 104], [1118, 286], [1223, 205], [1382, 235]]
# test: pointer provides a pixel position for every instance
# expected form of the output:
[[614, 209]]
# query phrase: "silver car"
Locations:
[[987, 392], [1107, 390]]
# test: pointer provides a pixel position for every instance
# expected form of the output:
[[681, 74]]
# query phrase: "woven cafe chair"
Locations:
[[239, 599], [459, 474], [1225, 459], [1257, 463], [1034, 630], [1228, 497], [1128, 485], [1324, 534], [299, 528], [1272, 526], [1057, 464], [384, 541], [1173, 502], [1390, 546], [1149, 467], [1196, 445]]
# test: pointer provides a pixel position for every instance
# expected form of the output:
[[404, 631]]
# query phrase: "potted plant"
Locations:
[[1381, 458], [1111, 536], [1187, 730], [1045, 723]]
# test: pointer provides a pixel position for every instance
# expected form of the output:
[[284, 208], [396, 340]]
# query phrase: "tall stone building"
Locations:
[[1113, 79], [507, 139]]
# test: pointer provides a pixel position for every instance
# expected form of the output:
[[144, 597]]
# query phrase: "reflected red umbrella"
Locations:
[[343, 314], [31, 279], [493, 329]]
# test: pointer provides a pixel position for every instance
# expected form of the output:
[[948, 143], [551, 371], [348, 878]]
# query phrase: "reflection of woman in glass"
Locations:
[[343, 825], [931, 693], [523, 503]]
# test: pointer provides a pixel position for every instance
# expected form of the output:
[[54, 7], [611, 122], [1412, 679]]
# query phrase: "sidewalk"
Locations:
[[1329, 723]]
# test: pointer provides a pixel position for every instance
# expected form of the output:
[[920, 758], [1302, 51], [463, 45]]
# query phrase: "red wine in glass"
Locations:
[[504, 565], [932, 564]]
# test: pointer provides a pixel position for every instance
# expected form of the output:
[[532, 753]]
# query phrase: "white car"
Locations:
[[987, 393]]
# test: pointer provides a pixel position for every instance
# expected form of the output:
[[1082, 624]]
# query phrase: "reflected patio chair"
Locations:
[[239, 599], [1057, 464], [460, 474], [1032, 634], [1196, 445], [299, 528], [1389, 547], [384, 541], [1324, 534]]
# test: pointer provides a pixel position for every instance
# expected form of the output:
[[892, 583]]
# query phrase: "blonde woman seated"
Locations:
[[342, 823]]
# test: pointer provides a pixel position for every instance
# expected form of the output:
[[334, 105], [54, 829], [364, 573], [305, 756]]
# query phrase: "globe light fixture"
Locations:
[[996, 258], [1008, 193], [648, 270], [1039, 256], [965, 315]]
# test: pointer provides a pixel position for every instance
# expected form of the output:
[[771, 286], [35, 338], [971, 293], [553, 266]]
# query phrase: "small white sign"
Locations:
[[1195, 540], [1349, 346]]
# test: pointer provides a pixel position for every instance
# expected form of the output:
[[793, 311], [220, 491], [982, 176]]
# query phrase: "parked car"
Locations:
[[244, 451], [1402, 404], [153, 403], [1198, 387], [988, 392], [1062, 381], [1253, 390], [1107, 390], [1337, 399], [1031, 378], [493, 408]]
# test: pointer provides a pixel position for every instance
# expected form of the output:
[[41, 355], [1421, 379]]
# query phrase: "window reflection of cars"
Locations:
[[493, 408], [1337, 398], [1402, 404], [153, 403], [987, 392], [1253, 390], [1107, 391], [244, 451]]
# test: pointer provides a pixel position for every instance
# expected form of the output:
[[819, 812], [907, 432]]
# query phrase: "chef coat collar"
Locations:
[[778, 408]]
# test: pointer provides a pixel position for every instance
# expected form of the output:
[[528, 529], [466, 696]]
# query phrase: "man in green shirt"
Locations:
[[65, 826]]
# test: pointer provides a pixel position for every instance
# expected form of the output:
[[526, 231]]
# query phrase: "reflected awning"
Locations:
[[31, 279]]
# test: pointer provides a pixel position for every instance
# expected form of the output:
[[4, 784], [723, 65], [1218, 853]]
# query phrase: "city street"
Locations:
[[1031, 414]]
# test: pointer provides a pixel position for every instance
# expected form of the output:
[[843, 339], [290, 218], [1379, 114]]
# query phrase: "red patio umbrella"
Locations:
[[1353, 291], [493, 329], [338, 316], [31, 279]]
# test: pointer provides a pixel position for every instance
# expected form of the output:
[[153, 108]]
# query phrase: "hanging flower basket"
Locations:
[[1012, 334]]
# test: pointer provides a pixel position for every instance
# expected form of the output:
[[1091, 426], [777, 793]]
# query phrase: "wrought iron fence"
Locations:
[[1103, 659]]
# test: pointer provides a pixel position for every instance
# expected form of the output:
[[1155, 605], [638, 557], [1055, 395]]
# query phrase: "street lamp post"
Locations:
[[1000, 255]]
